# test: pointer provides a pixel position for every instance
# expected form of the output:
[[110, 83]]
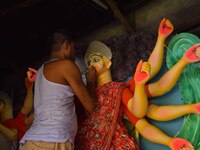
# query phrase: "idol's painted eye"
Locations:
[[96, 59], [93, 59]]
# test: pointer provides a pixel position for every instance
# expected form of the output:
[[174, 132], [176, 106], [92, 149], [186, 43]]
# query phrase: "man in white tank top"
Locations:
[[57, 81]]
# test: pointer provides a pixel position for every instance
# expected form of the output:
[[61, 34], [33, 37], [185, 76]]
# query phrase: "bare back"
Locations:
[[66, 72]]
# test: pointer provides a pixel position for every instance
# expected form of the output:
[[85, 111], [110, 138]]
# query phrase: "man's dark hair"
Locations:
[[57, 38]]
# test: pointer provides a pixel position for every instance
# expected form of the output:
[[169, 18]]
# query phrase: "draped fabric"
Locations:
[[103, 128]]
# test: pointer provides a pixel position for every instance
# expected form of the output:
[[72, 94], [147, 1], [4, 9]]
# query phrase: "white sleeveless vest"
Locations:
[[54, 111]]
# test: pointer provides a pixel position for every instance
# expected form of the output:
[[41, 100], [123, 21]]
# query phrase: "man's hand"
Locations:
[[91, 75], [142, 72]]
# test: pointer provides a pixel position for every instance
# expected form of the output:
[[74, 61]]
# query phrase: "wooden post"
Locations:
[[119, 15]]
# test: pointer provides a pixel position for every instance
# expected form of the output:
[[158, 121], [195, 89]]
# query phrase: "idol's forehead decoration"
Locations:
[[99, 49]]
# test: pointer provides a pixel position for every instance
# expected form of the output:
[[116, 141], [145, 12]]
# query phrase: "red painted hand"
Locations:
[[181, 144], [31, 74], [142, 72], [193, 53], [165, 28]]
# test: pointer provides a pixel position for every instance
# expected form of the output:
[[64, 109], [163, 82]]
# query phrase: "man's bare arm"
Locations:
[[72, 75], [91, 80]]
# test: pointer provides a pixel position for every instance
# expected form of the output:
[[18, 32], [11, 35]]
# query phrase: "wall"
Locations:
[[184, 15]]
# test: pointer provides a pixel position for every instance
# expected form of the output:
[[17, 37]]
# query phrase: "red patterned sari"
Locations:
[[103, 128]]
